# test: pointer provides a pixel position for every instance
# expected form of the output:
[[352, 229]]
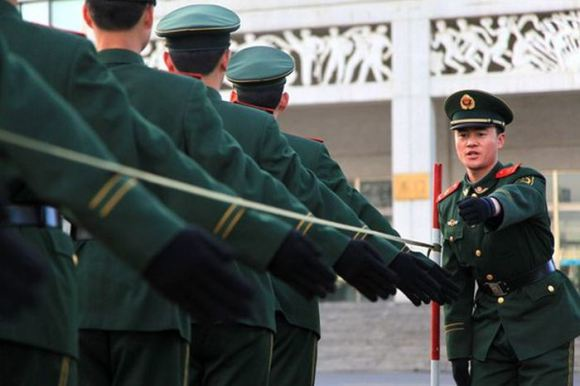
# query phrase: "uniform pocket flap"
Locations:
[[548, 286]]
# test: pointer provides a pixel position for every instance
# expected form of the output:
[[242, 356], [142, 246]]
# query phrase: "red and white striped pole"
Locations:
[[436, 257]]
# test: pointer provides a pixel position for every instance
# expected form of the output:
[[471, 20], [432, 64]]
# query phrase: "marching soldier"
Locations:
[[38, 346], [198, 38], [69, 65], [520, 327], [258, 75], [180, 106]]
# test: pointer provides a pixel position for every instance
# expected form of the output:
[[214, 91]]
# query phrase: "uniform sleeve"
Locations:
[[136, 142], [220, 154], [331, 174], [522, 199], [279, 159], [458, 321], [30, 108]]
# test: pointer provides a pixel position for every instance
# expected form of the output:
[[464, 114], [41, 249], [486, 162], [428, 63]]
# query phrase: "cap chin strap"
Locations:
[[266, 109]]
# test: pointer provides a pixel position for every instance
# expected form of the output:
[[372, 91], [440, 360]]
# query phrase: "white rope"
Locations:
[[98, 163]]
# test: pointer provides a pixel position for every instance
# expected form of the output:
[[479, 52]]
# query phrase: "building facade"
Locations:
[[372, 76]]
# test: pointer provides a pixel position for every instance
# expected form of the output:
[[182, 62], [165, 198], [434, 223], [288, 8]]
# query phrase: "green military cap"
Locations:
[[259, 66], [198, 27], [475, 108]]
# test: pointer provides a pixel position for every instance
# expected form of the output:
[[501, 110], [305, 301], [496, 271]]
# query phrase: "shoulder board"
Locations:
[[316, 139], [506, 172], [450, 190]]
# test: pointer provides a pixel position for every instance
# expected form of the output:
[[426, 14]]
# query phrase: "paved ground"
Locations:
[[376, 379], [385, 379]]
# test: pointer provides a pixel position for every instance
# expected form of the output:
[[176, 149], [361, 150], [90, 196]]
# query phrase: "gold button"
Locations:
[[75, 260], [489, 277], [500, 300], [478, 253], [451, 238], [551, 288], [473, 195]]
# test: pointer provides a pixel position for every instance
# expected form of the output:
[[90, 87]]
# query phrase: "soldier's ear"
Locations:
[[284, 101], [225, 60], [87, 16], [500, 141], [148, 17], [169, 62], [234, 96]]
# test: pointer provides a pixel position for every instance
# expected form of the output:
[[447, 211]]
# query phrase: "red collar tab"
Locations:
[[195, 75], [266, 109], [506, 172], [450, 190], [320, 140]]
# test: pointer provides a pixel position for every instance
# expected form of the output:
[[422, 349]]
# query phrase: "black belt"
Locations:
[[31, 215], [80, 234], [504, 287]]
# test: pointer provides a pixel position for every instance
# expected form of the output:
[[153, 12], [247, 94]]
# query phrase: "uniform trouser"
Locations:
[[502, 368], [230, 355], [295, 354], [22, 365], [130, 358]]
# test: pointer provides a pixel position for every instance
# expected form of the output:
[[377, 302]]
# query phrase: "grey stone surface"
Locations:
[[379, 337]]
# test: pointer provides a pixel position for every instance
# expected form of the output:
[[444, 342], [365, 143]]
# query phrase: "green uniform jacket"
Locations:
[[537, 317], [316, 158], [30, 108], [260, 137], [68, 63], [179, 105]]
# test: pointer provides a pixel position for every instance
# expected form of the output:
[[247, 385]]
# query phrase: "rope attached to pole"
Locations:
[[98, 163]]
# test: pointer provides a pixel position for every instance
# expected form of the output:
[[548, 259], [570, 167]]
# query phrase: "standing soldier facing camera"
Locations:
[[520, 327]]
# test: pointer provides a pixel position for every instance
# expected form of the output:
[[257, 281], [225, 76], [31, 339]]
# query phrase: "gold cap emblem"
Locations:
[[467, 102]]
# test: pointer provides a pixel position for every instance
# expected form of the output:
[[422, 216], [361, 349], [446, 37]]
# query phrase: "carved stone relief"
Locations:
[[517, 43]]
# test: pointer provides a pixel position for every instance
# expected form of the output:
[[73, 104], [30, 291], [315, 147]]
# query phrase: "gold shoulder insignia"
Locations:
[[452, 222], [529, 180]]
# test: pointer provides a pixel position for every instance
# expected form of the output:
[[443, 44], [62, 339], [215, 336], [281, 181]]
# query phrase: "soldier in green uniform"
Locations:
[[69, 65], [258, 75], [520, 326], [198, 38], [180, 106], [30, 108]]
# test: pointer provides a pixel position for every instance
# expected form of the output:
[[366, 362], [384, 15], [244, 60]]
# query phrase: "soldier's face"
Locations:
[[477, 148]]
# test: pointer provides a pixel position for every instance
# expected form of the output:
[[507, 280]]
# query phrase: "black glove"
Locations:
[[362, 267], [22, 272], [476, 210], [297, 262], [460, 368], [450, 290], [196, 272], [417, 282]]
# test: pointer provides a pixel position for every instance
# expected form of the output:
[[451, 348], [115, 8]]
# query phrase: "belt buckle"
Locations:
[[496, 288]]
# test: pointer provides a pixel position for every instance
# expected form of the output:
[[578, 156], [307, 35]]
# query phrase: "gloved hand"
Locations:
[[297, 262], [362, 267], [476, 210], [22, 273], [418, 279], [450, 290], [460, 369], [196, 272]]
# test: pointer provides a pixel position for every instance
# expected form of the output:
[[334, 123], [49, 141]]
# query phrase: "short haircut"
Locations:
[[196, 61], [115, 15], [264, 96]]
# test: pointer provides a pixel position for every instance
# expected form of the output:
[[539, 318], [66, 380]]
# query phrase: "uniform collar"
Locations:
[[8, 10], [120, 56], [213, 94], [482, 186]]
